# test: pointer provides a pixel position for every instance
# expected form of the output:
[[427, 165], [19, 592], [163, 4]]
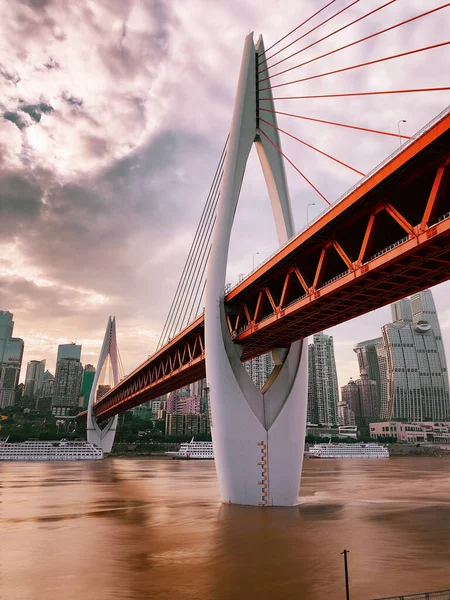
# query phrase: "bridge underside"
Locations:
[[386, 239]]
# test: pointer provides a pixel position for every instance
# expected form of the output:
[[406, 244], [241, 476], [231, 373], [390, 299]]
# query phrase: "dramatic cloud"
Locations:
[[112, 119]]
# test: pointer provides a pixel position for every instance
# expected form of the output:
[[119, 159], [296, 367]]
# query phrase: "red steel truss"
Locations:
[[388, 238]]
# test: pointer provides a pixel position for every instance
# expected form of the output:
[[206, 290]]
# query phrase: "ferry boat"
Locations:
[[348, 451], [194, 450], [35, 450]]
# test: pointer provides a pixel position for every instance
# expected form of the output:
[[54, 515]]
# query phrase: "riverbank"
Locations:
[[159, 450]]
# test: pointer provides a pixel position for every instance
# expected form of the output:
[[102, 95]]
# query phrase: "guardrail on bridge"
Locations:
[[440, 595]]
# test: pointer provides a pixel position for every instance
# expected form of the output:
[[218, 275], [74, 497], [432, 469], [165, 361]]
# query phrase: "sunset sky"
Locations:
[[114, 114]]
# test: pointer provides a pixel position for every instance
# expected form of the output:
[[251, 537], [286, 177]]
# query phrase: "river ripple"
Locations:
[[155, 529]]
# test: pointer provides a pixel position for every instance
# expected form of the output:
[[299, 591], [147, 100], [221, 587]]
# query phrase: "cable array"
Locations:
[[188, 297], [266, 77]]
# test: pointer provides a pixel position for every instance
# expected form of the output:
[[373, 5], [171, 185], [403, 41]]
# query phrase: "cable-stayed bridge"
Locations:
[[387, 237]]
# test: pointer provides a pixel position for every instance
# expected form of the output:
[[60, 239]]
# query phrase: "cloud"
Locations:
[[114, 117]]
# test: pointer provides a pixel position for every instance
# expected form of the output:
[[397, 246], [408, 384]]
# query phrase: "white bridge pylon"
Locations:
[[258, 436], [104, 436]]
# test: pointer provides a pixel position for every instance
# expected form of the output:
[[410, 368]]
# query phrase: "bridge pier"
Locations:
[[103, 435], [258, 435]]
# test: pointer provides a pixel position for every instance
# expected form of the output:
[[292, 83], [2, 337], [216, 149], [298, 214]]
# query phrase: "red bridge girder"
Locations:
[[388, 238]]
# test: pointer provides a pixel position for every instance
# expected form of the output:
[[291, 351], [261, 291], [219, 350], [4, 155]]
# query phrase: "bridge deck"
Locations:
[[387, 238]]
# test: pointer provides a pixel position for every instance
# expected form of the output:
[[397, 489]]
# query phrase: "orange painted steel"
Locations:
[[387, 238]]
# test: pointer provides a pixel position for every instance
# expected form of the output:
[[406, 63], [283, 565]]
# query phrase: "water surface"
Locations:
[[155, 529]]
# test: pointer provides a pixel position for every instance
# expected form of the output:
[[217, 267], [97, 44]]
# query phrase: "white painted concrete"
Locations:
[[258, 435], [104, 436]]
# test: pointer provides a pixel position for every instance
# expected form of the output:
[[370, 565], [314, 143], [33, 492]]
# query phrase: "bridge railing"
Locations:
[[358, 184], [440, 595]]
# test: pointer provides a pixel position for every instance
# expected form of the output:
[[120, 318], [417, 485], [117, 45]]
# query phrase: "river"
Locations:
[[155, 529]]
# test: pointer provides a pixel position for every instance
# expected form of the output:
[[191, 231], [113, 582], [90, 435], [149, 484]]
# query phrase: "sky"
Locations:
[[113, 114]]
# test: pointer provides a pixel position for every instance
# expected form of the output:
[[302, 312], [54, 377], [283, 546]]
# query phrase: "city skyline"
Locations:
[[62, 225]]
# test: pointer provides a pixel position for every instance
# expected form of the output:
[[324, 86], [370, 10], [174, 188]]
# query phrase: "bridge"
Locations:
[[386, 238]]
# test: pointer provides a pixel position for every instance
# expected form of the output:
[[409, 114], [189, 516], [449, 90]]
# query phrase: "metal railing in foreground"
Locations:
[[441, 595]]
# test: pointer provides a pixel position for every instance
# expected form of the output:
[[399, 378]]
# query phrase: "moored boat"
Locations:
[[370, 450], [193, 450], [36, 450]]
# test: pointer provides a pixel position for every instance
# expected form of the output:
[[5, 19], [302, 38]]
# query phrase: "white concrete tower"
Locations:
[[258, 435], [104, 436]]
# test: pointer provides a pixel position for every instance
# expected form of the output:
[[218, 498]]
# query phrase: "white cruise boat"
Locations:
[[33, 450], [348, 451], [194, 450]]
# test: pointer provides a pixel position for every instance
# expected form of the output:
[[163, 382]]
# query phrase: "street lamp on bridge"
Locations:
[[307, 211], [399, 135], [254, 254]]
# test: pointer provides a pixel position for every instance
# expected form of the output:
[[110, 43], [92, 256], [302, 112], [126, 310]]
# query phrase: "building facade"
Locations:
[[260, 368], [416, 381], [324, 387], [87, 383], [11, 353], [187, 424], [67, 386], [34, 378], [182, 404], [413, 433], [368, 362]]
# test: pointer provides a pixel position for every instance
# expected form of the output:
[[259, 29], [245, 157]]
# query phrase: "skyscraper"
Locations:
[[6, 330], [424, 309], [401, 311], [368, 362], [260, 368], [382, 366], [71, 350], [34, 378], [312, 411], [67, 386], [361, 398], [325, 384], [10, 370], [11, 353], [415, 377], [87, 381]]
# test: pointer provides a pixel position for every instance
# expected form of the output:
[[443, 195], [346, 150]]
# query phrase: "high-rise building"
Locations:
[[312, 411], [11, 353], [351, 398], [368, 362], [182, 404], [34, 378], [71, 350], [6, 330], [382, 365], [48, 385], [416, 369], [67, 387], [86, 383], [361, 398], [346, 415], [416, 385], [10, 370], [260, 368], [401, 311], [424, 309], [187, 424], [323, 371]]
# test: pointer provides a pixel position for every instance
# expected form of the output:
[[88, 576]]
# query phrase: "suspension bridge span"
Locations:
[[387, 237]]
